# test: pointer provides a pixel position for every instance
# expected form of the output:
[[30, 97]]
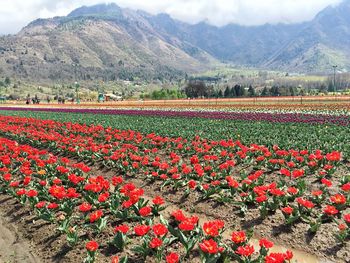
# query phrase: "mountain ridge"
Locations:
[[107, 41]]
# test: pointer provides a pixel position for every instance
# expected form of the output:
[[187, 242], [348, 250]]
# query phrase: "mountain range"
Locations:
[[109, 42]]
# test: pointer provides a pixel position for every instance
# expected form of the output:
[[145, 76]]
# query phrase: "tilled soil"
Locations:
[[13, 246]]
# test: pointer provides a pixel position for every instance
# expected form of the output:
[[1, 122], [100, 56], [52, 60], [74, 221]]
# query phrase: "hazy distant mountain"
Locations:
[[112, 42], [324, 42]]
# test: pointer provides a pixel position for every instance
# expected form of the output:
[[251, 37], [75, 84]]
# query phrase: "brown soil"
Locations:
[[304, 245], [13, 246]]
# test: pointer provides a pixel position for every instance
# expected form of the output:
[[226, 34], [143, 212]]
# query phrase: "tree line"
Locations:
[[199, 89]]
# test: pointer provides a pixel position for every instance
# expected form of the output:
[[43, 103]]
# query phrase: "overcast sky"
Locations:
[[14, 14]]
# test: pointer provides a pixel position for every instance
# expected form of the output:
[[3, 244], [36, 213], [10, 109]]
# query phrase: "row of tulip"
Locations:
[[287, 135], [83, 206], [226, 171], [276, 117]]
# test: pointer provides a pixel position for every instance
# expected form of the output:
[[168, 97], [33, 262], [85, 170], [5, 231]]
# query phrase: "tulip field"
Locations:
[[98, 185]]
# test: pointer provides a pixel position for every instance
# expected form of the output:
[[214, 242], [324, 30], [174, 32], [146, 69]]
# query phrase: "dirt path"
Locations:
[[13, 247]]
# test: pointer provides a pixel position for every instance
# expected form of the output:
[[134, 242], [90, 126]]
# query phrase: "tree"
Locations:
[[227, 92], [220, 95], [239, 90], [7, 81], [195, 89], [275, 91], [265, 92], [331, 87], [292, 91], [233, 92], [210, 91], [251, 91]]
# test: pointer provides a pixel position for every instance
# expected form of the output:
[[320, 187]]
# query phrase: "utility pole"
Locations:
[[334, 69], [75, 65]]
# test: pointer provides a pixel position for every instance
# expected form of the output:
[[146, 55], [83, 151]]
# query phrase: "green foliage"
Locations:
[[7, 81], [195, 89], [164, 94], [286, 135], [251, 91]]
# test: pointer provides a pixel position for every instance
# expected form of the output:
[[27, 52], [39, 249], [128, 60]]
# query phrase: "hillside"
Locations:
[[108, 42], [102, 41]]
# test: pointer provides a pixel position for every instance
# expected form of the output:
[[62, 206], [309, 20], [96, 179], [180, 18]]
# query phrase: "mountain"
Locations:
[[103, 41], [309, 47], [106, 41], [322, 43]]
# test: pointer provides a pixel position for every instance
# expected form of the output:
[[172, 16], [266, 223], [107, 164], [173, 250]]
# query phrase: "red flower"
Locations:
[[57, 181], [115, 259], [52, 206], [192, 184], [285, 172], [238, 237], [155, 243], [7, 177], [32, 193], [43, 183], [298, 173], [330, 210], [346, 187], [292, 190], [212, 228], [127, 204], [287, 210], [58, 192], [265, 243], [145, 211], [209, 246], [187, 225], [178, 215], [305, 203], [232, 182], [103, 197], [94, 216], [317, 192], [117, 180], [121, 228], [14, 184], [91, 246], [261, 198], [85, 207], [338, 199], [158, 200], [275, 258], [347, 218], [288, 255], [245, 251], [141, 230], [160, 229], [277, 192], [40, 204], [326, 182], [328, 167], [172, 258], [72, 193], [342, 227], [333, 156]]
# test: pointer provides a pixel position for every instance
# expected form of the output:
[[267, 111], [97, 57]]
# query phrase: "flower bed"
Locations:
[[303, 186], [83, 206], [342, 120]]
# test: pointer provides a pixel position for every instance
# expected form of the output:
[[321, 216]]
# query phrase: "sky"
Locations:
[[15, 14]]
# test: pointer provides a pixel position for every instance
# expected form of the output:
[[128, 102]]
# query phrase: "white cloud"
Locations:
[[14, 14]]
